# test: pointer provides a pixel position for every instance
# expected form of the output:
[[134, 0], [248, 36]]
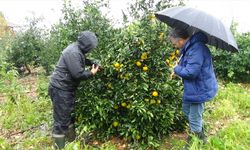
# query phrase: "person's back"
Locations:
[[61, 77], [70, 69]]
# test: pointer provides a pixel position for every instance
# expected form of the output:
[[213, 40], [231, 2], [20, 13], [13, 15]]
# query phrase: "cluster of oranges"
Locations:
[[139, 63], [161, 36], [117, 66], [155, 94], [171, 61], [152, 17], [124, 105]]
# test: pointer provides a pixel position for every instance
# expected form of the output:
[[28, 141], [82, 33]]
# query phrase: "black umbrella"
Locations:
[[194, 20]]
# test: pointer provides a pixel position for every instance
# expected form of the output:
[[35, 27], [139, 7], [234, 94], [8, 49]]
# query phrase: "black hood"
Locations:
[[87, 41]]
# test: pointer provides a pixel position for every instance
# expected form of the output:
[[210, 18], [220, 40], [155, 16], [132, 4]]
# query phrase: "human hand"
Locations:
[[94, 69], [100, 67], [172, 75]]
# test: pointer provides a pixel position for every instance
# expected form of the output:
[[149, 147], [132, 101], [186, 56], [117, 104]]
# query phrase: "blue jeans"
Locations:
[[193, 113]]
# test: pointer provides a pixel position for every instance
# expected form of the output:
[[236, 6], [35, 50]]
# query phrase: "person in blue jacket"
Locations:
[[196, 69]]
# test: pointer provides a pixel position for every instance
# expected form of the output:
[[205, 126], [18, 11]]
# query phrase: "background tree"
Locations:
[[26, 45], [5, 29]]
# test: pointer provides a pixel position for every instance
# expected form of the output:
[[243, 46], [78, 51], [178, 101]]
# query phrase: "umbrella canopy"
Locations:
[[194, 20]]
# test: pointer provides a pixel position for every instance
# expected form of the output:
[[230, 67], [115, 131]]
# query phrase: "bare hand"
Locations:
[[172, 75], [94, 69], [100, 67]]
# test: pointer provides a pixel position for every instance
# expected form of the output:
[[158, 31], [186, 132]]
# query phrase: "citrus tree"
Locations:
[[134, 96]]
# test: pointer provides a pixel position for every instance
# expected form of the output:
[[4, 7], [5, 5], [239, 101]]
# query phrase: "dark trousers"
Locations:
[[63, 106]]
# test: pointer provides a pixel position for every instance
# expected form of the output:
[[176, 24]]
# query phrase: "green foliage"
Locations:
[[234, 66], [73, 22], [21, 116], [25, 112], [43, 84], [235, 136], [4, 144], [119, 101], [9, 86], [5, 43], [26, 45], [234, 98]]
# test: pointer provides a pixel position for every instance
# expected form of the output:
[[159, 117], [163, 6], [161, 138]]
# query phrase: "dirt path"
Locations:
[[29, 83]]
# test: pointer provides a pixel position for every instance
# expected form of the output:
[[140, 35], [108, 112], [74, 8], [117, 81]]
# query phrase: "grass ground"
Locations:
[[26, 124], [227, 120]]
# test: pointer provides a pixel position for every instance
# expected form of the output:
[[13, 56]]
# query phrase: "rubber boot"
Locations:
[[201, 135], [59, 140], [71, 133]]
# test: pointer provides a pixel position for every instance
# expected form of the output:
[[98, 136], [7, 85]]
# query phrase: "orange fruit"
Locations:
[[155, 94], [167, 61], [172, 54], [116, 65], [121, 76], [172, 57], [115, 123], [127, 75], [171, 66], [144, 56], [145, 68], [138, 137], [152, 17], [177, 52], [152, 101], [138, 63], [128, 106], [139, 41], [124, 104], [161, 36], [110, 85], [116, 107]]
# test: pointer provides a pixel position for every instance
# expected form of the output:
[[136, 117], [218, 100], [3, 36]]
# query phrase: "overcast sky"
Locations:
[[15, 11]]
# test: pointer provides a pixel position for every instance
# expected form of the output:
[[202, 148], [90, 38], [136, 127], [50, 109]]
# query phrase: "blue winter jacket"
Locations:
[[196, 70]]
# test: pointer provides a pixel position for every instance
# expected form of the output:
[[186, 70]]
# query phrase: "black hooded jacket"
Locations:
[[70, 69]]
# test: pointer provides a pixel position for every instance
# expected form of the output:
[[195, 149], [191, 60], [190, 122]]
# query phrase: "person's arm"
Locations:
[[89, 62], [75, 67], [194, 63]]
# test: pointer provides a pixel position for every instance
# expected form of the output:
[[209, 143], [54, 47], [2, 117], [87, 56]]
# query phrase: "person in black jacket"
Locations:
[[68, 73]]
